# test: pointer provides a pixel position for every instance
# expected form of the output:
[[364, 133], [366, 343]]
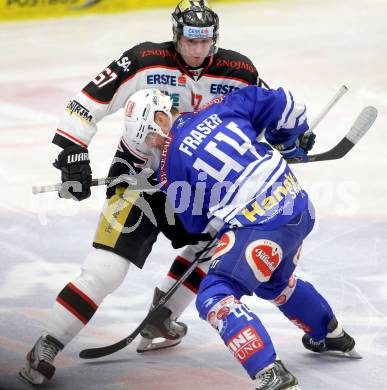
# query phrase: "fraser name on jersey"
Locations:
[[216, 172]]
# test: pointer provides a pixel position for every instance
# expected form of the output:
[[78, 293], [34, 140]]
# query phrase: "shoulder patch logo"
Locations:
[[125, 63]]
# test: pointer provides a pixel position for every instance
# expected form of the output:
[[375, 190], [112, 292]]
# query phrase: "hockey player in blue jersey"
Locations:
[[218, 176]]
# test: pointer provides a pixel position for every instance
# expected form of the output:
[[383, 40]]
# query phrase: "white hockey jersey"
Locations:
[[151, 65]]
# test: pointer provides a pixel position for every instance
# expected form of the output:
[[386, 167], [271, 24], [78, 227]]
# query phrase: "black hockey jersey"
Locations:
[[151, 65]]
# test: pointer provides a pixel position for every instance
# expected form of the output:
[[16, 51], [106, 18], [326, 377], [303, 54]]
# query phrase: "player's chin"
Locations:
[[195, 61]]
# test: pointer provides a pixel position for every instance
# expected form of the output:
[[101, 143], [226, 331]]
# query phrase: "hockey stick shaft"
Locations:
[[339, 94], [360, 127], [130, 179], [93, 353], [56, 187]]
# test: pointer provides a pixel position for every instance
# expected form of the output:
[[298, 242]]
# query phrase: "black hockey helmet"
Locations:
[[195, 20]]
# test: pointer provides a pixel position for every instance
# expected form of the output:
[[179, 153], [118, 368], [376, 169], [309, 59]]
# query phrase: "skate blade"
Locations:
[[36, 380], [146, 345], [353, 354]]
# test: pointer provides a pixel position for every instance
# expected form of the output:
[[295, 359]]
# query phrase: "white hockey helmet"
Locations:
[[140, 111]]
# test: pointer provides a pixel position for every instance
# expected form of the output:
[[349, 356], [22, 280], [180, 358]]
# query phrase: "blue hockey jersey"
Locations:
[[216, 172]]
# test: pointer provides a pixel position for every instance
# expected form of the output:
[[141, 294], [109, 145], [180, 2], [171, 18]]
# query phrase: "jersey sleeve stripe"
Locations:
[[287, 110], [297, 117], [72, 138], [267, 177], [229, 196], [93, 98]]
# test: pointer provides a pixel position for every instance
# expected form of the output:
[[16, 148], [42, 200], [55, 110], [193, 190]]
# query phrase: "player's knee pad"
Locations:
[[214, 288], [102, 272], [218, 312]]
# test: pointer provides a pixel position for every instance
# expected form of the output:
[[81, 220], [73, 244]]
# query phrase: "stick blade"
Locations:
[[93, 353], [362, 124]]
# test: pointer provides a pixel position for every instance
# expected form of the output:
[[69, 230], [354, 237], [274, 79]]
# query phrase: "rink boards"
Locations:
[[42, 9]]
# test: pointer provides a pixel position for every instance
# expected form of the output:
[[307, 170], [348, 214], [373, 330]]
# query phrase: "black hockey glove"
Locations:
[[307, 141], [189, 239], [180, 237], [74, 163]]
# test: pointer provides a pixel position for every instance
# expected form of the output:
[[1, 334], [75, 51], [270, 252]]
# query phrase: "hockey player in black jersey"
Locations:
[[192, 70]]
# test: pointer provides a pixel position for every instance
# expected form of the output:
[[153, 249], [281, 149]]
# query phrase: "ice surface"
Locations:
[[309, 47]]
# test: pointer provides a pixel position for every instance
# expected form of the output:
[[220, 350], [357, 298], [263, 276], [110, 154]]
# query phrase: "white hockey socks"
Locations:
[[102, 272]]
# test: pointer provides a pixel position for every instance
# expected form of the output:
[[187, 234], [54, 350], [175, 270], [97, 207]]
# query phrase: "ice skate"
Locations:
[[163, 331], [337, 342], [276, 377], [40, 359]]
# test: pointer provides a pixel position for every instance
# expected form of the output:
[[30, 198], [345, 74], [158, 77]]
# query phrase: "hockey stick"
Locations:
[[132, 180], [339, 94], [92, 353], [361, 125]]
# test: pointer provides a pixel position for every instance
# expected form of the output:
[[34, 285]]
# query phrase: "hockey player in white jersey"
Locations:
[[192, 69], [244, 189]]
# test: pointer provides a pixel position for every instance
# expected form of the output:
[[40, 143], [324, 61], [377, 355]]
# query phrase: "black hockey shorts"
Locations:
[[131, 221]]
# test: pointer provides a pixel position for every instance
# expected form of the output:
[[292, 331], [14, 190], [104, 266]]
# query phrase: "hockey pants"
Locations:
[[260, 262]]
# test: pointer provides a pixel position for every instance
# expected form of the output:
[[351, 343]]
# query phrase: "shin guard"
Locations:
[[240, 329]]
